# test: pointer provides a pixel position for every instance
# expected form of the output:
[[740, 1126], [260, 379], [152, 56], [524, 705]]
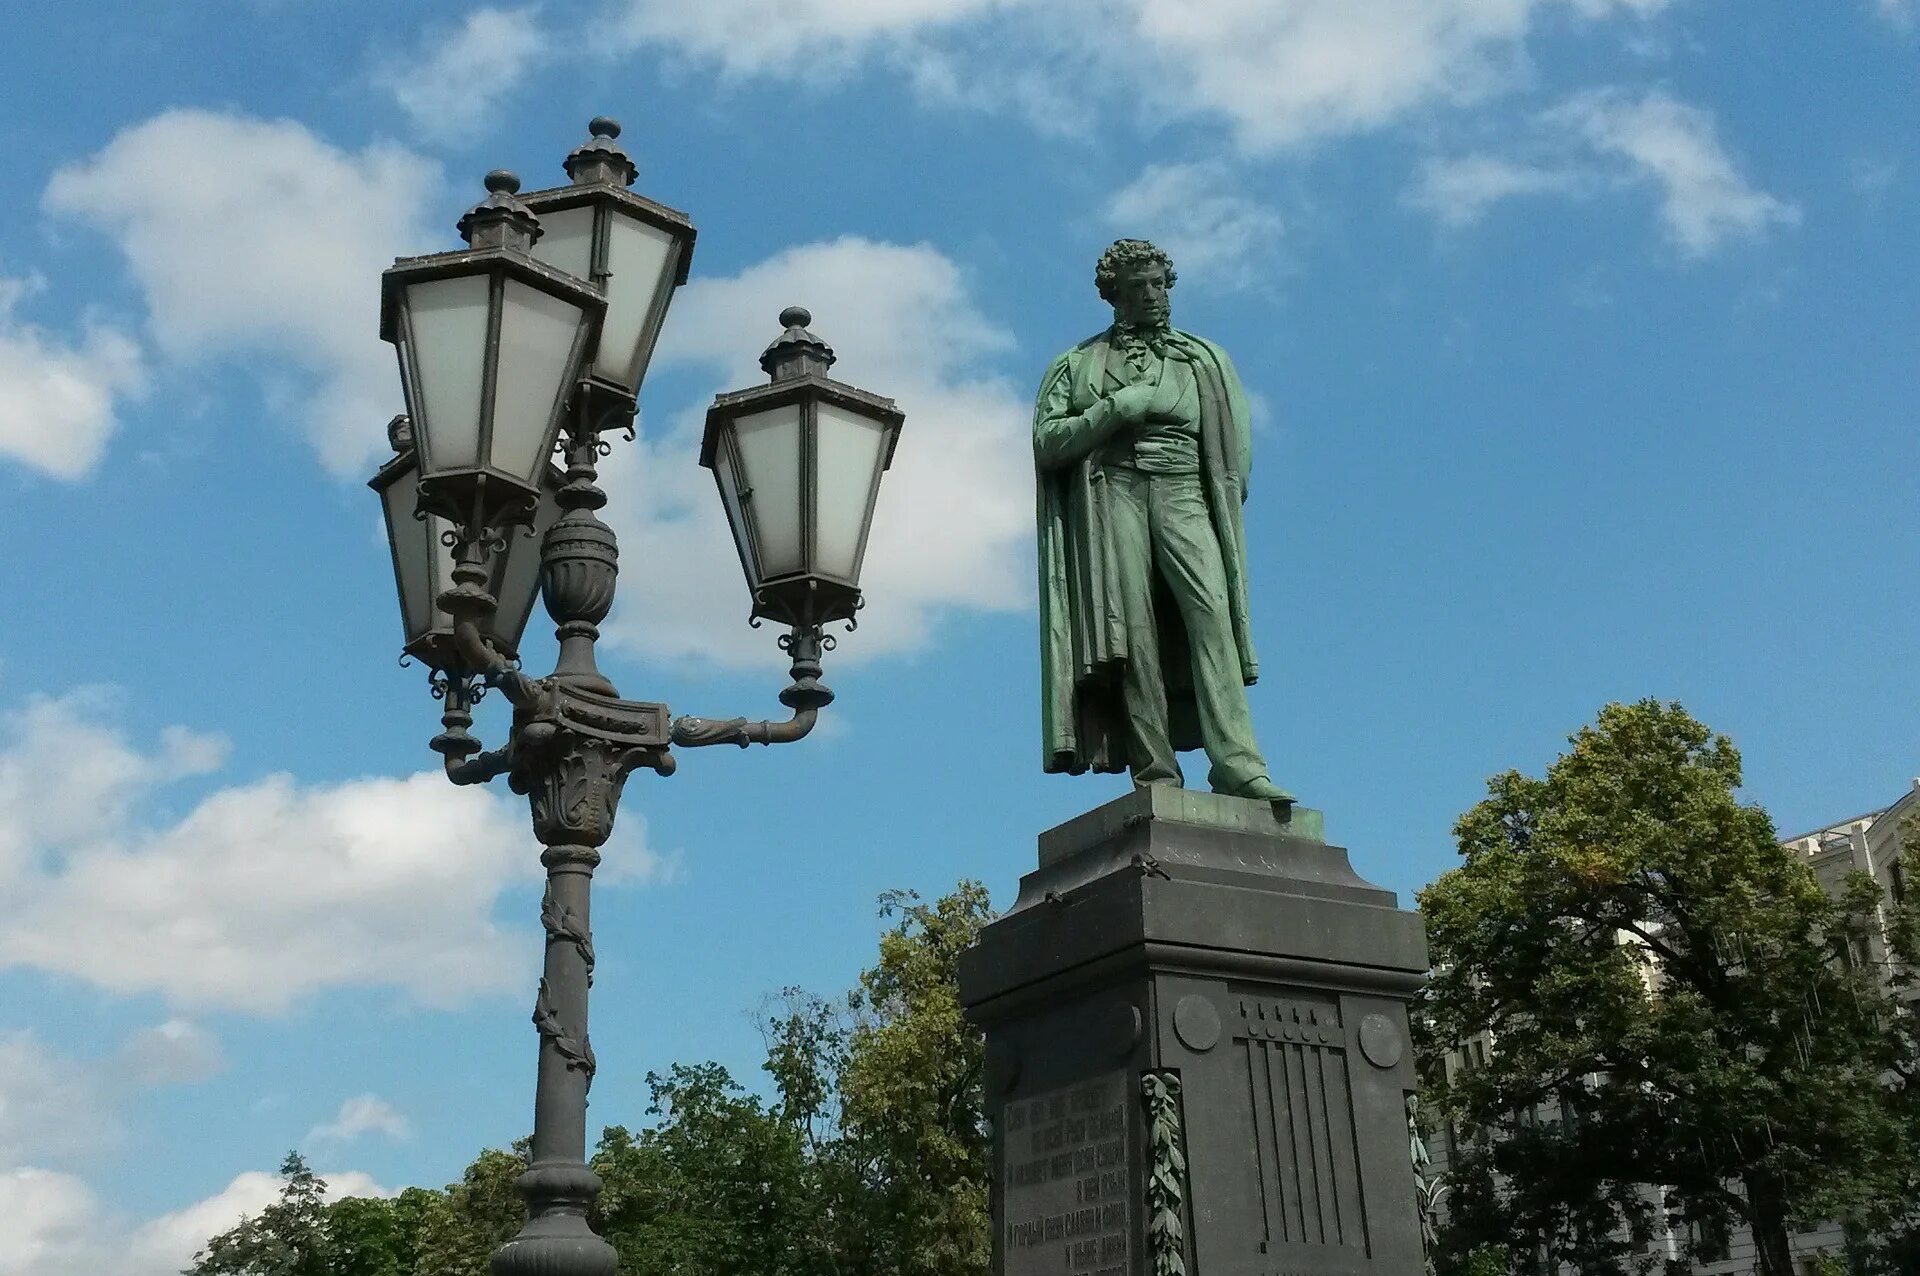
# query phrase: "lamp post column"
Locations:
[[573, 780], [572, 296]]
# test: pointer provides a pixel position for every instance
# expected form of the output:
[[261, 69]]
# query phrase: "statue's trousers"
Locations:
[[1161, 524]]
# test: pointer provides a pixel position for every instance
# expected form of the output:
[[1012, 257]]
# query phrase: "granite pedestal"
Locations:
[[1197, 1049]]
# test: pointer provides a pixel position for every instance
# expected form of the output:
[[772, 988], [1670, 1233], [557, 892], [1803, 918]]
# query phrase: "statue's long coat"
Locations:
[[1083, 636]]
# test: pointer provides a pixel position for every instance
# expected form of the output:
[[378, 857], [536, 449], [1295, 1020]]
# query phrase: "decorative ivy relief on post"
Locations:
[[1428, 1186], [563, 925], [1166, 1174], [577, 1052]]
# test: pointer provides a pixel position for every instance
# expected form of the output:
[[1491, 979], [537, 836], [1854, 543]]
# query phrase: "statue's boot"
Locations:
[[1260, 788]]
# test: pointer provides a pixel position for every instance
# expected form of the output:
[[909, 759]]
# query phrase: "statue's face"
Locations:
[[1140, 296]]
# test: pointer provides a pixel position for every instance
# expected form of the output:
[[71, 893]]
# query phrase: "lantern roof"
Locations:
[[516, 263], [502, 219], [601, 158], [811, 386], [796, 351], [556, 198]]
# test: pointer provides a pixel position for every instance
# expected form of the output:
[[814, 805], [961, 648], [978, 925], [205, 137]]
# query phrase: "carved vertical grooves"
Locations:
[[1344, 1133], [1305, 1145], [1262, 1132]]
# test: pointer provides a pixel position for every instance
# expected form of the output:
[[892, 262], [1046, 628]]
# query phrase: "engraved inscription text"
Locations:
[[1065, 1196]]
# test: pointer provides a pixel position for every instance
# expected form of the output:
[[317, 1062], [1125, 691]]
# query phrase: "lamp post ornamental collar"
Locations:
[[601, 158], [796, 352], [501, 220]]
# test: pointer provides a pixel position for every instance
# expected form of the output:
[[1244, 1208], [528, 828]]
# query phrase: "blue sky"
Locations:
[[1583, 334]]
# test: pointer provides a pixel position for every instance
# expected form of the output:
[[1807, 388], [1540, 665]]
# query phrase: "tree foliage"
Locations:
[[869, 1157], [290, 1237], [1680, 1021]]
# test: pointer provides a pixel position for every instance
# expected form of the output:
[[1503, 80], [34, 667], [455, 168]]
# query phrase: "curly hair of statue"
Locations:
[[1125, 255]]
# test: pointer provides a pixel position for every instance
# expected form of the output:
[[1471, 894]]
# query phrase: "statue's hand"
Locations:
[[1130, 404]]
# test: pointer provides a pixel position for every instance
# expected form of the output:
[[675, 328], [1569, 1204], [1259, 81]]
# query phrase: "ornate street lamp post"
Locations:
[[535, 338]]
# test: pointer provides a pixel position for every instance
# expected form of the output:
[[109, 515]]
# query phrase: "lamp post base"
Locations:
[[556, 1240], [578, 1252]]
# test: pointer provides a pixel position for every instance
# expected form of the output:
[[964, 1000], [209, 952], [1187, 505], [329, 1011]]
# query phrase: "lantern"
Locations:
[[491, 343], [798, 463], [423, 561], [637, 251]]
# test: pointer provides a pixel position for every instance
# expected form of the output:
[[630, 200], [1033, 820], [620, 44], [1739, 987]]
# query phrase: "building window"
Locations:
[[1897, 882]]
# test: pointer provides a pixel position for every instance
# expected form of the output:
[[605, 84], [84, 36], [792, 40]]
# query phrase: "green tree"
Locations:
[[718, 1186], [287, 1238], [462, 1226], [1671, 1028], [373, 1237], [869, 1158], [910, 1093]]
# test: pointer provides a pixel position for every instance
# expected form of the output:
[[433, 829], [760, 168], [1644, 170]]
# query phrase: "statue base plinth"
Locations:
[[1197, 1049]]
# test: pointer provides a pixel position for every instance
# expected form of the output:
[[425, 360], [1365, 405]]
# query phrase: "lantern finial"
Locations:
[[796, 352], [601, 158], [500, 220]]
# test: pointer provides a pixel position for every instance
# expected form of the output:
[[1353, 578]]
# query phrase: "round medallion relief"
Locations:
[[1381, 1042], [1196, 1022], [1120, 1027]]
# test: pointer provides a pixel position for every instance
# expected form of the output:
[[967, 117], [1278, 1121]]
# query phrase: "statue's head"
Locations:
[[1135, 277]]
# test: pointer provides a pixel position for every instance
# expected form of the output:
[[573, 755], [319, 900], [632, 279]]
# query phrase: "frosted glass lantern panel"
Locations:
[[769, 444], [518, 580], [441, 580], [638, 259], [566, 241], [412, 553], [537, 332], [847, 461], [447, 323], [729, 482]]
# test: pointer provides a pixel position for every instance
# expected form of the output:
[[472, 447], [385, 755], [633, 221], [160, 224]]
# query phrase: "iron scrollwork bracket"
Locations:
[[806, 696]]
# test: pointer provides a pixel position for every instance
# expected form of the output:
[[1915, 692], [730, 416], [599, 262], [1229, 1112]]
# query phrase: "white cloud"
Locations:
[[1459, 191], [453, 82], [56, 1110], [56, 1226], [52, 1110], [52, 1224], [1283, 72], [167, 1244], [1195, 213], [1873, 176], [362, 1114], [254, 238], [1705, 201], [790, 36], [263, 892], [176, 1052], [58, 396], [1900, 13], [69, 780], [1610, 138], [955, 512], [1277, 73]]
